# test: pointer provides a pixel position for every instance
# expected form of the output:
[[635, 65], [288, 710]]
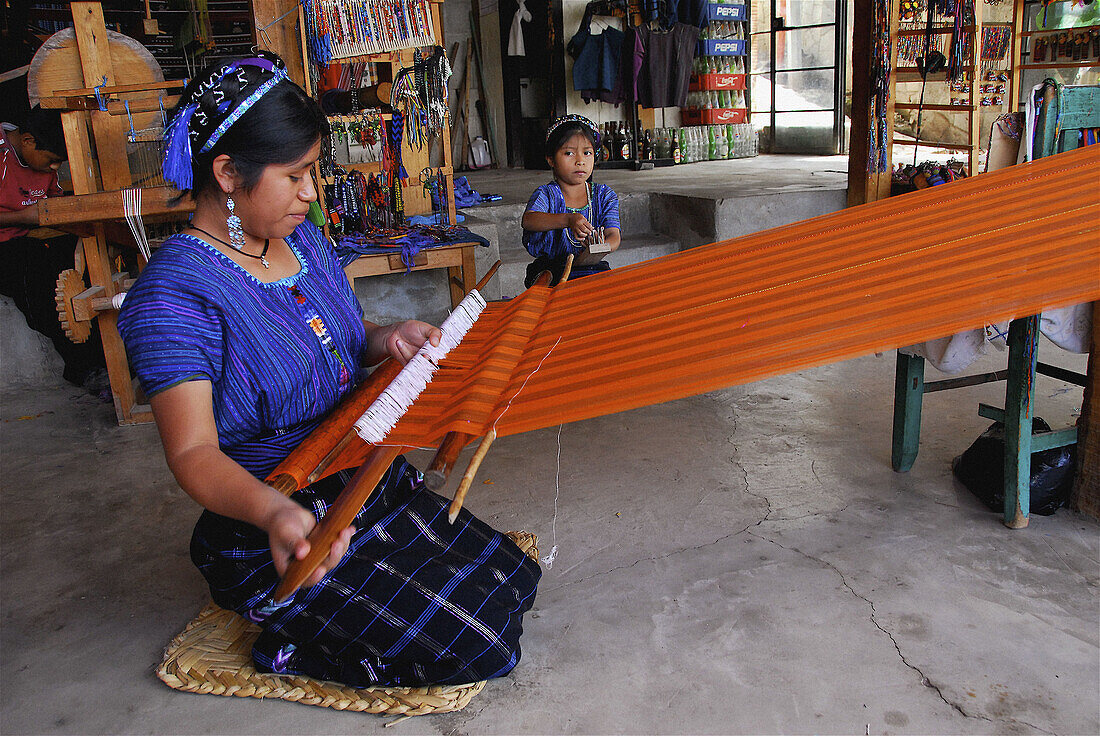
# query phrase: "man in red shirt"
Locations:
[[30, 155]]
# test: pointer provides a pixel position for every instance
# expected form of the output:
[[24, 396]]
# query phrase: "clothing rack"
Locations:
[[635, 13]]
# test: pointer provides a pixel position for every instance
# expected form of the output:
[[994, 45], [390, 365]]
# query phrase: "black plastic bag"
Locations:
[[981, 469]]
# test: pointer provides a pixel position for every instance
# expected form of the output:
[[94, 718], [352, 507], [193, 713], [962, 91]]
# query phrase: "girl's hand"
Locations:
[[287, 529], [580, 226], [403, 339]]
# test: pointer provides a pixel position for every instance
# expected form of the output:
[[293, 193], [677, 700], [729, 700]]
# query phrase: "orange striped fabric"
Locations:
[[871, 278]]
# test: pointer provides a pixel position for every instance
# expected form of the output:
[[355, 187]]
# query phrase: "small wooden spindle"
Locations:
[[568, 269], [471, 471]]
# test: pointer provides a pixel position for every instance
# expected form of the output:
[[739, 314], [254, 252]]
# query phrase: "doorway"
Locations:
[[798, 69]]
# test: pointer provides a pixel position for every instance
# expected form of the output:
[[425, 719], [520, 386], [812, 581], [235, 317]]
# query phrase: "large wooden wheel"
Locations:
[[56, 67]]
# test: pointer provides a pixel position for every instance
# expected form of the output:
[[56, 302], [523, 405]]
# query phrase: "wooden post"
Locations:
[[1086, 485], [974, 117], [109, 132], [1014, 72], [863, 185]]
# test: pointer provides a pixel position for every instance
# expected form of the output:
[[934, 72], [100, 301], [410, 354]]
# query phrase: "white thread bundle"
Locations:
[[131, 207], [395, 400]]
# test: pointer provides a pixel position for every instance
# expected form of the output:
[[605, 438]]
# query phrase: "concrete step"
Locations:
[[634, 249]]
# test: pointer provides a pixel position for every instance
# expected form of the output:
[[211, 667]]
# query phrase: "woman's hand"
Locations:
[[401, 340], [580, 226], [287, 530]]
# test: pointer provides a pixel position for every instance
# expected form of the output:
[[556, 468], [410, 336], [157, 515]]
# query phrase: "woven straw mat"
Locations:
[[213, 655]]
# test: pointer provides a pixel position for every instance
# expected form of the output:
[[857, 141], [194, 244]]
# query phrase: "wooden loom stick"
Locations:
[[568, 269], [435, 477], [339, 516], [471, 471]]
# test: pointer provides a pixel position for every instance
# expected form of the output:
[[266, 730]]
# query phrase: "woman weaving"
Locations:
[[245, 332]]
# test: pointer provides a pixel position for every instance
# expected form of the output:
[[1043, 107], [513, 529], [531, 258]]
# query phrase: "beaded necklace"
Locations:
[[262, 258]]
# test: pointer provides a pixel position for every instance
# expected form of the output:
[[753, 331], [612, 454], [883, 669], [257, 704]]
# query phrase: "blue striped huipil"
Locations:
[[551, 247], [415, 600]]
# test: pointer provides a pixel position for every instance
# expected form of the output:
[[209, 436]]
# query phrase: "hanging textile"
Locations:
[[596, 60], [515, 33]]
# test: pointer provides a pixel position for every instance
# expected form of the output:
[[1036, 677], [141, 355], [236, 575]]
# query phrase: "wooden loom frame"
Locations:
[[100, 173]]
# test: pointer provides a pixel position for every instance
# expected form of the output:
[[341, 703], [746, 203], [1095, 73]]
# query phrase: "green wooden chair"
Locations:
[[1065, 112]]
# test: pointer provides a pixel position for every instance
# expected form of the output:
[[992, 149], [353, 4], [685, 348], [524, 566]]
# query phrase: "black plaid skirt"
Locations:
[[415, 601]]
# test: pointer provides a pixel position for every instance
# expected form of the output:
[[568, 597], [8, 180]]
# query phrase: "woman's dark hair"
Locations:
[[279, 127], [564, 132]]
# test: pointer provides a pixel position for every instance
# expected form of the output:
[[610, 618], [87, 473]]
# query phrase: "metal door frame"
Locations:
[[839, 66]]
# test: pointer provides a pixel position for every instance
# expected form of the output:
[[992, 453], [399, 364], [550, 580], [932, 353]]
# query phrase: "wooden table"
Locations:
[[457, 258]]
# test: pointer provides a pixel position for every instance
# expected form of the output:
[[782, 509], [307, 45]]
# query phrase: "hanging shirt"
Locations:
[[279, 356], [20, 185], [664, 70], [596, 65]]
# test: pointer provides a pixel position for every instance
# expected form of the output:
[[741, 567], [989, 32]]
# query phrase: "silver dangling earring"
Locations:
[[236, 231]]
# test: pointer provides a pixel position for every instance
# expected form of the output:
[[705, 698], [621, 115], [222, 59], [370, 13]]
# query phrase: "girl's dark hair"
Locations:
[[279, 128], [562, 133]]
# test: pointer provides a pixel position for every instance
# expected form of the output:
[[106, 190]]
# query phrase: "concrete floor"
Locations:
[[740, 562]]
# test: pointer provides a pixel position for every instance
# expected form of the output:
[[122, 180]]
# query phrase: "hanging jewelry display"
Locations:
[[436, 70], [878, 142], [343, 29], [397, 171]]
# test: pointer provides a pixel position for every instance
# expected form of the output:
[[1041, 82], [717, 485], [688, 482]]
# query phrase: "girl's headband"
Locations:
[[567, 119], [182, 135]]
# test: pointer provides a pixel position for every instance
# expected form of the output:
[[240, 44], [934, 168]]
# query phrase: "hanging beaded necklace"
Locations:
[[587, 202], [262, 258]]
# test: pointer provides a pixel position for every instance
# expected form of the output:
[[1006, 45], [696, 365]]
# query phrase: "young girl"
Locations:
[[570, 214]]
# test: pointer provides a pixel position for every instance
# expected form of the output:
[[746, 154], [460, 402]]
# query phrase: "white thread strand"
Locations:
[[548, 560], [383, 415], [525, 380], [131, 208]]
